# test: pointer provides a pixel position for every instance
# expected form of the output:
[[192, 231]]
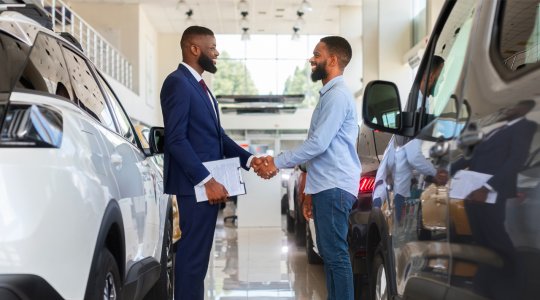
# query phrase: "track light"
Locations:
[[305, 6]]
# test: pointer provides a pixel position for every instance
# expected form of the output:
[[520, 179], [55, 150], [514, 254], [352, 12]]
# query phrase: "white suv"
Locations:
[[82, 209]]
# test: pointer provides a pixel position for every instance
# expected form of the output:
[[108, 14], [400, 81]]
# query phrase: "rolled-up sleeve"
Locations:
[[332, 112]]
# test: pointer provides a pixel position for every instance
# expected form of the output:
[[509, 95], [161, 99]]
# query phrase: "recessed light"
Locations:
[[260, 30], [262, 13], [279, 16], [280, 9]]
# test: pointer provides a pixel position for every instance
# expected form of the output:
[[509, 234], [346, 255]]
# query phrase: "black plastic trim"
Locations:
[[141, 277], [111, 217], [26, 286]]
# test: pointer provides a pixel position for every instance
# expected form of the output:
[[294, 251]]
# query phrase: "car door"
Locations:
[[414, 228], [476, 219], [150, 205]]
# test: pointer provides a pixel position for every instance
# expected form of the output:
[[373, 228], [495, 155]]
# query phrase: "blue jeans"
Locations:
[[331, 210]]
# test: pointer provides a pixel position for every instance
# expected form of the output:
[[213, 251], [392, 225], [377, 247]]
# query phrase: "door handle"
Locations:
[[116, 160], [439, 150]]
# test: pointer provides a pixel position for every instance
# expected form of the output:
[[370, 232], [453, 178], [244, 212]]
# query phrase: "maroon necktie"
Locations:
[[205, 88]]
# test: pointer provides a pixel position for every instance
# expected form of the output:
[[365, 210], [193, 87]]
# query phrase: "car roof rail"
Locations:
[[73, 40], [30, 9]]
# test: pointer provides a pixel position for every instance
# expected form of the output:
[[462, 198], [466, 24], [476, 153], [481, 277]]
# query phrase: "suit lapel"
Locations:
[[204, 96]]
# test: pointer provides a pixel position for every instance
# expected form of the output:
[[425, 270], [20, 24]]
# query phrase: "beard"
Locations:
[[319, 73], [207, 64]]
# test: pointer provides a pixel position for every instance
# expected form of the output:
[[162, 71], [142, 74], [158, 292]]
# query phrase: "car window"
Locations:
[[439, 82], [87, 92], [13, 53], [519, 38], [46, 69], [123, 121]]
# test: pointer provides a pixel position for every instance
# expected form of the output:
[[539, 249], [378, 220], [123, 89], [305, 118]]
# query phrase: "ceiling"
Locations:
[[223, 16]]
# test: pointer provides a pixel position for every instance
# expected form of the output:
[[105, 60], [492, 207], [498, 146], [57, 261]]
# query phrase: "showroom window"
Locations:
[[266, 65], [87, 91]]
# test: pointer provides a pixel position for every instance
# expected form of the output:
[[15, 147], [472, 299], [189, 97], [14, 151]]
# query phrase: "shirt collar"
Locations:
[[197, 76], [330, 84], [514, 121]]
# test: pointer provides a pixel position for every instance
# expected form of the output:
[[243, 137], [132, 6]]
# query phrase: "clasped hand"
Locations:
[[264, 166]]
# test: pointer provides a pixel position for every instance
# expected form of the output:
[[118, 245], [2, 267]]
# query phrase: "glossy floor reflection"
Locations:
[[260, 263]]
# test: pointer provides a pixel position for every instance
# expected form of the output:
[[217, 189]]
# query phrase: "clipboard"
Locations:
[[227, 172], [464, 182]]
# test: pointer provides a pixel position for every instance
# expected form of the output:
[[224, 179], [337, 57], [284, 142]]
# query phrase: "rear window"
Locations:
[[13, 54], [520, 34]]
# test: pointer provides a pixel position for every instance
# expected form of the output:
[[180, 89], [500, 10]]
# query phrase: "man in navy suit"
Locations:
[[502, 154], [193, 135]]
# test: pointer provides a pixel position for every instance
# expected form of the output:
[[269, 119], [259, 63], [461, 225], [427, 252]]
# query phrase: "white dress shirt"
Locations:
[[407, 159]]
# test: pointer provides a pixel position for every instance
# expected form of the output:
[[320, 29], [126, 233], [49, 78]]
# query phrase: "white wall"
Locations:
[[135, 37], [350, 24], [148, 62], [386, 38]]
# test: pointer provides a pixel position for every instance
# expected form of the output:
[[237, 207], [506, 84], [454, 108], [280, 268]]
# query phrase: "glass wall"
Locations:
[[266, 65]]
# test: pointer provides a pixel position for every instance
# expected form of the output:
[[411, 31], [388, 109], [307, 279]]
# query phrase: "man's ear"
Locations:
[[195, 50]]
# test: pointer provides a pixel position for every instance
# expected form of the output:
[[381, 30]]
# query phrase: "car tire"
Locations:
[[421, 233], [378, 277], [105, 281], [290, 222], [312, 256], [284, 204], [299, 229], [164, 287]]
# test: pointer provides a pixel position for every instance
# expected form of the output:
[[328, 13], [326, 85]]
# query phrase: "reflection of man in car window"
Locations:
[[430, 80], [502, 154]]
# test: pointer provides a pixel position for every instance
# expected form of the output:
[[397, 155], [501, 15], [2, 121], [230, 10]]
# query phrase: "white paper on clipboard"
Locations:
[[465, 182], [227, 172]]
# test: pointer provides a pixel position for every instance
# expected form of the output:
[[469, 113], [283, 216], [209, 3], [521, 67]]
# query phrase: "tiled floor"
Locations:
[[260, 263]]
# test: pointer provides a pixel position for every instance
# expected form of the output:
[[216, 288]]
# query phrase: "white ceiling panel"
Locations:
[[223, 16]]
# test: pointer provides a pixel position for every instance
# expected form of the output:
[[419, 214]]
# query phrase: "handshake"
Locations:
[[264, 166]]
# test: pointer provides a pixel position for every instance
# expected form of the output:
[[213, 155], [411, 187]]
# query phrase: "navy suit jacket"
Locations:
[[502, 155], [193, 134]]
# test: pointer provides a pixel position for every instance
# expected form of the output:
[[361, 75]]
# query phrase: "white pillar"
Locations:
[[387, 37], [350, 24]]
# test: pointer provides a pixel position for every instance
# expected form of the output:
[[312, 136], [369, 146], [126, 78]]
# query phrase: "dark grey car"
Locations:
[[477, 181]]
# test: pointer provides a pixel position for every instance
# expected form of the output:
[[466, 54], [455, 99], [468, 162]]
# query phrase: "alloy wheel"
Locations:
[[170, 266], [381, 288], [109, 291]]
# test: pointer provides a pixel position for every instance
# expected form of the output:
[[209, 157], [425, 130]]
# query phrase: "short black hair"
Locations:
[[340, 47], [437, 62], [192, 31], [528, 104]]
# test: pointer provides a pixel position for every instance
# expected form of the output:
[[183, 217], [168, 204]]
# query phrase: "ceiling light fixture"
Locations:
[[245, 35], [243, 6], [295, 35], [300, 22], [182, 6], [189, 19], [305, 6], [244, 23]]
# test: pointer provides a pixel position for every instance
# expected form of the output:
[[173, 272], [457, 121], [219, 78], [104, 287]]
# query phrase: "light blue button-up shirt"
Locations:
[[330, 148]]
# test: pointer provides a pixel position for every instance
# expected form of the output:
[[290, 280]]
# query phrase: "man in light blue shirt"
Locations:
[[333, 167]]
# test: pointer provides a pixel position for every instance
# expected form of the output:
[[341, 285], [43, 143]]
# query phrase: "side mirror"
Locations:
[[157, 142], [381, 107]]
